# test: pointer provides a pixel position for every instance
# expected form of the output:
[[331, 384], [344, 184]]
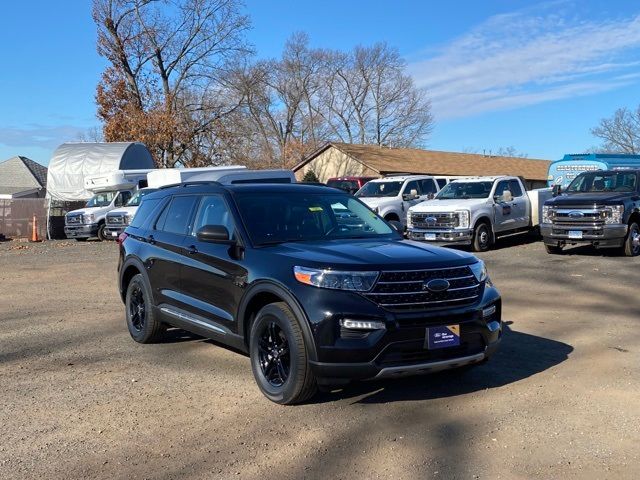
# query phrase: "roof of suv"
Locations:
[[198, 188]]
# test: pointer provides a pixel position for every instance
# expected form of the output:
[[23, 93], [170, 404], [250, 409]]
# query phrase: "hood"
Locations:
[[123, 211], [371, 255], [85, 211], [448, 205], [589, 199]]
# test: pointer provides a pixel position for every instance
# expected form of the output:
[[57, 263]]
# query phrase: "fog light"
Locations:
[[363, 324], [487, 312], [493, 326]]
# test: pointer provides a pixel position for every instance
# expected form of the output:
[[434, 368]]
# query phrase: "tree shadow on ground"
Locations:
[[520, 356]]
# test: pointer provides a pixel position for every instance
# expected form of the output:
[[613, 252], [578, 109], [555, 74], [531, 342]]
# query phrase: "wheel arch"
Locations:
[[129, 269], [391, 215], [263, 293]]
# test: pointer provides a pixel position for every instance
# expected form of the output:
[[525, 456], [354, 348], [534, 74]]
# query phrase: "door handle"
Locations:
[[192, 250], [151, 240]]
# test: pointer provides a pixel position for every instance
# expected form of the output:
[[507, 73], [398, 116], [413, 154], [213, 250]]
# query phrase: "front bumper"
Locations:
[[400, 349], [446, 236], [112, 232], [606, 236], [81, 231]]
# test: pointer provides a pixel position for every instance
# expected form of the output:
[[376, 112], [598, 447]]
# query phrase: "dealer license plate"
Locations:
[[442, 337], [575, 234], [114, 234], [430, 236]]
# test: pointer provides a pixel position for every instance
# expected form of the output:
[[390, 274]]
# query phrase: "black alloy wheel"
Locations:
[[137, 309], [274, 355]]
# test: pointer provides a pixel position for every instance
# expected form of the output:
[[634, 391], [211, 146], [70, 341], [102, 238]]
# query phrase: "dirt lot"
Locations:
[[79, 399]]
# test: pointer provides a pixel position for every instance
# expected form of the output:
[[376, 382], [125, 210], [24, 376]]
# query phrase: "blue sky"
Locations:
[[535, 76]]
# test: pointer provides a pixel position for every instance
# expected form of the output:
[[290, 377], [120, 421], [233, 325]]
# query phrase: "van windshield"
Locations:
[[137, 198], [465, 190], [101, 199], [298, 217], [610, 181], [380, 189]]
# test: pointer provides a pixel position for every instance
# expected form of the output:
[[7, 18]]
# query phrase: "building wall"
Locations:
[[333, 163]]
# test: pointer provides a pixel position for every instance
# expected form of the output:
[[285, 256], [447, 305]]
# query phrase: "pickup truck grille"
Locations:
[[578, 217], [406, 290], [435, 220]]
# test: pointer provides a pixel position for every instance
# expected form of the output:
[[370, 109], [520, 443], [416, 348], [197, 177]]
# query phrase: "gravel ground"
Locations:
[[80, 399]]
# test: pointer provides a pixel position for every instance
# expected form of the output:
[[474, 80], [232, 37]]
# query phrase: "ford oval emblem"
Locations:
[[576, 214], [436, 285], [431, 220]]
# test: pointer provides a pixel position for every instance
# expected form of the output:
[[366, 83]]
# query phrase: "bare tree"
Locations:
[[169, 62], [621, 132]]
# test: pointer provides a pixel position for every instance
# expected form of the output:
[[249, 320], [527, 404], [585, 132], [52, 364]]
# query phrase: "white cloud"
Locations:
[[529, 57]]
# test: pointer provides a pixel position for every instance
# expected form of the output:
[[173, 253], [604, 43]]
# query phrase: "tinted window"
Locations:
[[122, 199], [604, 182], [442, 182], [144, 212], [412, 185], [502, 186], [428, 186], [213, 211], [514, 186], [177, 216]]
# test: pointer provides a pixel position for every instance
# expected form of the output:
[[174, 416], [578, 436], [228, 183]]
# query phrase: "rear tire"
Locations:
[[143, 325], [481, 237], [279, 357], [631, 246], [553, 249]]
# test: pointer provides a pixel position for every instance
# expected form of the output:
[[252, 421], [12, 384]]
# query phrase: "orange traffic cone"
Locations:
[[34, 230]]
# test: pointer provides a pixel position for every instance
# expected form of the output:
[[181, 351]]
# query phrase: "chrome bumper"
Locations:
[[449, 236]]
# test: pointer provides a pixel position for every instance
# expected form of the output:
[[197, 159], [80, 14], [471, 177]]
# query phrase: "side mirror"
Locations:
[[556, 190], [214, 234], [414, 193], [507, 196]]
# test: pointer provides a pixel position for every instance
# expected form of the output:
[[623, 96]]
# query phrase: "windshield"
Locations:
[[272, 218], [101, 199], [465, 190], [137, 198], [380, 189], [594, 182]]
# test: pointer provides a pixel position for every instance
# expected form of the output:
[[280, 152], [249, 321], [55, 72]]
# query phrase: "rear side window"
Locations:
[[175, 218], [144, 212]]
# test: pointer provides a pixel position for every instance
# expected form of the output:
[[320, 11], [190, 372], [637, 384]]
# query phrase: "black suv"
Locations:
[[313, 285]]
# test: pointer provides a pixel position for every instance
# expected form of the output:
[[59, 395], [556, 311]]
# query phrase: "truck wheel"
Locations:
[[481, 237], [632, 241], [101, 236], [279, 357], [142, 323], [553, 249]]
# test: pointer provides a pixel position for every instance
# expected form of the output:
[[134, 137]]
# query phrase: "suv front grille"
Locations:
[[436, 220], [406, 290]]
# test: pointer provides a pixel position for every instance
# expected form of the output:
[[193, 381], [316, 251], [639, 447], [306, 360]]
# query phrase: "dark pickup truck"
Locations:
[[601, 208]]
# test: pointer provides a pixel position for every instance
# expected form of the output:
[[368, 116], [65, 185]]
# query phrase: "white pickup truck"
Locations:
[[475, 211], [391, 197]]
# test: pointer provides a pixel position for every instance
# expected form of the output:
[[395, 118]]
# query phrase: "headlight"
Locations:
[[356, 281], [88, 218], [463, 216], [479, 270], [409, 222], [546, 214], [614, 214], [127, 219]]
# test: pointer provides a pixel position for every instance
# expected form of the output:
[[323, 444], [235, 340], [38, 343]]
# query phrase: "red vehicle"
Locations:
[[348, 184]]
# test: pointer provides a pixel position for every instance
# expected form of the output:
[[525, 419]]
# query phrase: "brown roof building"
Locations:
[[344, 159]]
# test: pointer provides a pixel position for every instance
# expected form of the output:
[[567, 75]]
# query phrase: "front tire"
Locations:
[[101, 235], [481, 237], [279, 357], [143, 325], [631, 246]]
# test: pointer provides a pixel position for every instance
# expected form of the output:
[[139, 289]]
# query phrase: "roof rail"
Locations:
[[188, 184]]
